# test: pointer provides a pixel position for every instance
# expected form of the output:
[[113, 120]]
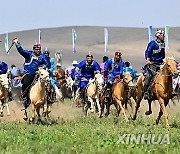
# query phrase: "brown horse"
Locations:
[[4, 85], [119, 95], [162, 88]]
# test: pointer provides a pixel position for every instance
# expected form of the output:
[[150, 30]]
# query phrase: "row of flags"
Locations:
[[106, 39]]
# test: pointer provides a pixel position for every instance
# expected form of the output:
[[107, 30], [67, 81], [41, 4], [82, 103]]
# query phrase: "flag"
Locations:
[[106, 39], [39, 36], [74, 38], [6, 45], [166, 37], [150, 33]]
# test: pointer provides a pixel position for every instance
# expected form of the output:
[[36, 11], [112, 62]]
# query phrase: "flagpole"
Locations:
[[150, 32], [166, 37], [106, 40], [6, 43]]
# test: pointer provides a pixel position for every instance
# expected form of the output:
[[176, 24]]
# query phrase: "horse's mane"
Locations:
[[165, 60]]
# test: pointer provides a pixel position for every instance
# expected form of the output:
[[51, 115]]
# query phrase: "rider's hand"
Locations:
[[148, 62], [15, 40]]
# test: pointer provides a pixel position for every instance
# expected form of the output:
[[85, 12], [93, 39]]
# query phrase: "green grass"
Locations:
[[86, 135]]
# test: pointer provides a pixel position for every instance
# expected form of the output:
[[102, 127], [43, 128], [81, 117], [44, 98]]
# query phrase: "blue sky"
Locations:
[[18, 15]]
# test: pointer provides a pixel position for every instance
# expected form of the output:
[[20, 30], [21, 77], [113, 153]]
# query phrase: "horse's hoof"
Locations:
[[91, 110], [134, 117], [25, 118], [44, 114], [8, 114], [1, 114], [148, 112], [31, 119]]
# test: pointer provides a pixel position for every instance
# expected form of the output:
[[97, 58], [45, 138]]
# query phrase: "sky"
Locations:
[[20, 15]]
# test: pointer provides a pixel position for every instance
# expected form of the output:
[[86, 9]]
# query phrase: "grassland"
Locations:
[[86, 135]]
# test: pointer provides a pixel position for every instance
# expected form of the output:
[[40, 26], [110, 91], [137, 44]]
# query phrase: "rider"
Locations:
[[69, 68], [75, 77], [51, 91], [15, 75], [129, 69], [115, 68], [3, 70], [154, 54], [88, 69], [33, 59]]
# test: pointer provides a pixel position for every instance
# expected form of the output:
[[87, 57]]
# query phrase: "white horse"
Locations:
[[93, 90], [4, 85], [38, 92]]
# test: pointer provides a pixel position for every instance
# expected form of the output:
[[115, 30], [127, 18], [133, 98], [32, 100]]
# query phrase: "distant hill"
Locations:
[[131, 41]]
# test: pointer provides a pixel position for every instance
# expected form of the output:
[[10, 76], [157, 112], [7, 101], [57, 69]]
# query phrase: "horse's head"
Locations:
[[43, 75], [99, 81], [171, 66], [127, 78], [4, 81]]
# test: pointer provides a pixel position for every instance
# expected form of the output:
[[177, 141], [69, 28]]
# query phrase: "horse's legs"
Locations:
[[49, 109], [131, 105], [33, 113], [136, 109], [150, 110], [123, 110], [163, 105], [7, 107], [91, 104], [107, 109], [38, 113], [159, 116], [117, 109], [1, 109]]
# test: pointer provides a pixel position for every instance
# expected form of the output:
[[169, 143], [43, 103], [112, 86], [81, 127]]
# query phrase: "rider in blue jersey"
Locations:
[[88, 69], [154, 55], [33, 59], [113, 66]]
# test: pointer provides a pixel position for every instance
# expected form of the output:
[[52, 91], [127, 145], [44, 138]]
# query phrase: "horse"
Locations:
[[69, 86], [59, 76], [162, 89], [37, 93], [119, 95], [4, 85], [92, 91]]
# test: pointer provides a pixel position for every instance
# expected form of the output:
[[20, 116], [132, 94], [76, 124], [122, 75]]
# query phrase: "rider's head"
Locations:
[[74, 63], [118, 55], [13, 65], [58, 65], [127, 64], [160, 34], [46, 52], [105, 58], [89, 58], [37, 49]]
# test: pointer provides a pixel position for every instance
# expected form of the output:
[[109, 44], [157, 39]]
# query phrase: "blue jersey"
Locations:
[[3, 68], [88, 70], [113, 67], [32, 62], [155, 52]]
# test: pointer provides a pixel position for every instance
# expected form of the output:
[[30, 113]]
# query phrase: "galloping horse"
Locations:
[[92, 92], [38, 93], [4, 85], [162, 88], [119, 95]]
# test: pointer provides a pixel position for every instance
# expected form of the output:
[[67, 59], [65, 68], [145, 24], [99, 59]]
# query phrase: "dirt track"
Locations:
[[65, 110]]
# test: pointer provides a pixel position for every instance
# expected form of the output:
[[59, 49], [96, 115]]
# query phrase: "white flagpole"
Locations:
[[106, 40], [6, 44], [166, 37]]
